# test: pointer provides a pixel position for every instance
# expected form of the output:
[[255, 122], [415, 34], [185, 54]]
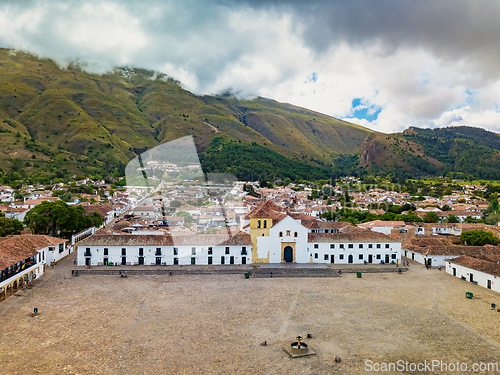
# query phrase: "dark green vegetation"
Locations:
[[458, 152], [10, 226], [57, 122], [405, 212], [478, 238], [251, 162], [59, 219]]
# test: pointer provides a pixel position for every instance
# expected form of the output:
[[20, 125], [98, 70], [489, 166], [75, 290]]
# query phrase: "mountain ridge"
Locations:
[[59, 121]]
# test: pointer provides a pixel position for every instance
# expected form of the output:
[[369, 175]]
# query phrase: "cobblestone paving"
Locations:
[[215, 324]]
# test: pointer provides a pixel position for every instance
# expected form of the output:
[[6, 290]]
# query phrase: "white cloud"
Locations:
[[421, 63]]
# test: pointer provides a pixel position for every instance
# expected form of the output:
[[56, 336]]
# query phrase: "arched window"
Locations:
[[265, 223], [258, 224], [281, 234], [295, 234]]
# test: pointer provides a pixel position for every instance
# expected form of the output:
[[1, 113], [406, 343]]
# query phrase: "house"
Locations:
[[16, 213], [434, 251], [481, 270], [22, 260], [57, 250], [354, 246], [30, 203], [381, 226], [146, 211], [105, 210], [6, 194], [445, 229]]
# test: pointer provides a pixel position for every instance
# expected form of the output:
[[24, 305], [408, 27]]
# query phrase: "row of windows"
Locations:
[[176, 260], [360, 256], [351, 246], [175, 251], [324, 230]]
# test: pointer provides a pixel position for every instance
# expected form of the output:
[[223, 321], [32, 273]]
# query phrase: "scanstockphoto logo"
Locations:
[[434, 366], [170, 174]]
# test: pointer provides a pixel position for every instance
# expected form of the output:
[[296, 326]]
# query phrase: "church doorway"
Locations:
[[288, 254]]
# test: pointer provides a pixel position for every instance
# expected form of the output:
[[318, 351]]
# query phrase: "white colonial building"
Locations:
[[483, 271], [435, 252], [164, 250], [271, 235], [23, 259]]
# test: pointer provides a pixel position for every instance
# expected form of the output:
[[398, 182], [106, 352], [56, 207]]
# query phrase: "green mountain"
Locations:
[[463, 151], [56, 121]]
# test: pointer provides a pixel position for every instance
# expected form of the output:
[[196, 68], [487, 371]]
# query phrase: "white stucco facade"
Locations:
[[158, 254], [471, 275]]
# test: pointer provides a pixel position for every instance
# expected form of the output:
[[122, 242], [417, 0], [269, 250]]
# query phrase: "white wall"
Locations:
[[436, 260], [481, 277], [56, 254], [384, 230], [184, 254], [272, 244], [378, 254]]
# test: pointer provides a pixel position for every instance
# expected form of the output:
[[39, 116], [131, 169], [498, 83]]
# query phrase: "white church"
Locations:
[[269, 235]]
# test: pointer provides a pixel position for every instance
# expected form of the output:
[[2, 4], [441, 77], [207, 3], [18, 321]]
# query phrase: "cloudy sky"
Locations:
[[384, 64]]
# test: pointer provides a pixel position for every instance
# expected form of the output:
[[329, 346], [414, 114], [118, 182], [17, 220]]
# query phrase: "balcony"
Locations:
[[87, 254]]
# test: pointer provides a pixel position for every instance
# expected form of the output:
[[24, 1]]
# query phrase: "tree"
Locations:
[[59, 219], [431, 217], [175, 204], [492, 219], [10, 226], [452, 219], [188, 219], [478, 238]]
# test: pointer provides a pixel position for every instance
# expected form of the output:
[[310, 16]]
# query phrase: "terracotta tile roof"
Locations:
[[126, 240], [38, 201], [103, 209], [381, 223], [482, 265], [265, 210], [453, 250], [443, 225], [424, 242], [200, 240], [468, 227], [240, 238], [14, 249]]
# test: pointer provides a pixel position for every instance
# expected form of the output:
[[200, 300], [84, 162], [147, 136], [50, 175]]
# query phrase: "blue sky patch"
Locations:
[[362, 110]]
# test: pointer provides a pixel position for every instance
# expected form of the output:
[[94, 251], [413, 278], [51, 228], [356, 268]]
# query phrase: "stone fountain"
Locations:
[[298, 348]]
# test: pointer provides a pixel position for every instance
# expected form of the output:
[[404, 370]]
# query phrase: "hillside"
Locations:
[[57, 122], [68, 120], [465, 151]]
